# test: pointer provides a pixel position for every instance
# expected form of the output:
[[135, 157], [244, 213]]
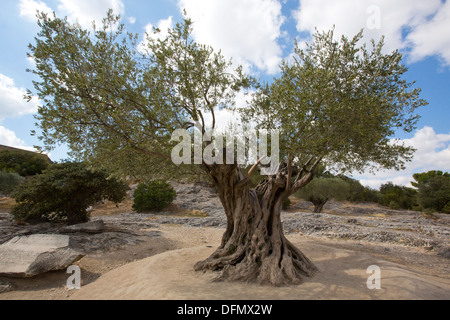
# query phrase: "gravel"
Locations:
[[360, 222]]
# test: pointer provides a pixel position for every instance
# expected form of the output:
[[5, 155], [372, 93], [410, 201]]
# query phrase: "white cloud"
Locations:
[[433, 150], [431, 38], [86, 11], [29, 8], [12, 103], [9, 138], [379, 17], [245, 30], [163, 25], [225, 117], [82, 11], [31, 61], [433, 153], [132, 20]]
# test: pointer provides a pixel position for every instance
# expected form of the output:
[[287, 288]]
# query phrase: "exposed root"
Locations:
[[292, 267]]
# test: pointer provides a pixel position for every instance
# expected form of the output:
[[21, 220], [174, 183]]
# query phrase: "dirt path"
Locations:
[[343, 276], [164, 265]]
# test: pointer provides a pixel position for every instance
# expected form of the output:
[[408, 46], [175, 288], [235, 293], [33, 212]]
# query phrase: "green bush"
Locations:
[[64, 192], [397, 197], [153, 196], [286, 204], [433, 190], [23, 162], [321, 190], [9, 181], [394, 205]]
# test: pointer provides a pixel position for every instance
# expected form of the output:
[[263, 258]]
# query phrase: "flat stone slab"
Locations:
[[29, 256], [89, 227]]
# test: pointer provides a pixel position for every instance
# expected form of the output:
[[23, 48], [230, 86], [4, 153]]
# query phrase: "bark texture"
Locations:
[[319, 204], [253, 247]]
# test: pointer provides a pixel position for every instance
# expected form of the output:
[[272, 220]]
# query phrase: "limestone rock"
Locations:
[[6, 287], [36, 254], [89, 227]]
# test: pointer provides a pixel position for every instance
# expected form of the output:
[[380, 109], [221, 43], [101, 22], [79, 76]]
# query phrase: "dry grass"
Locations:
[[409, 230], [180, 212], [381, 215], [196, 214], [365, 205], [108, 208], [430, 215], [6, 204]]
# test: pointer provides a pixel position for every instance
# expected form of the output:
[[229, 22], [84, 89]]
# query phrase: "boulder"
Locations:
[[89, 227], [6, 287], [29, 256]]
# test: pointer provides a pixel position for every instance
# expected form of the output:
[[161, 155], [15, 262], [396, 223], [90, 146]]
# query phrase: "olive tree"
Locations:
[[337, 103], [321, 190], [433, 190]]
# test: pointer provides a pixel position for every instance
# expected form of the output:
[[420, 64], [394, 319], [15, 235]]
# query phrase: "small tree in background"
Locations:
[[397, 197], [153, 196], [433, 190], [321, 190], [64, 192], [9, 181], [356, 192]]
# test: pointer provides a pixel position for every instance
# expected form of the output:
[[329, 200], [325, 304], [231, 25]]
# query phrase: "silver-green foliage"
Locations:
[[111, 99], [9, 181], [321, 190], [340, 101]]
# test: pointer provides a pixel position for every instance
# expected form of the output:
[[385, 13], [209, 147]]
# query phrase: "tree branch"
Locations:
[[288, 180], [254, 167], [307, 178]]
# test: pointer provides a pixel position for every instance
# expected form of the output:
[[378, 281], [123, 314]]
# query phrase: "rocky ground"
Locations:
[[197, 206]]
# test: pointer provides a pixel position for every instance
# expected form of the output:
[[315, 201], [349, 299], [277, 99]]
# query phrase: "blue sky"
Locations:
[[257, 34]]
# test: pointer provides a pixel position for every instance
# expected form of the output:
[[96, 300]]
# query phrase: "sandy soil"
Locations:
[[343, 275], [163, 269]]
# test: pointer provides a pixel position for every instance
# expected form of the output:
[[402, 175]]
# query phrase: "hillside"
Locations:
[[410, 240]]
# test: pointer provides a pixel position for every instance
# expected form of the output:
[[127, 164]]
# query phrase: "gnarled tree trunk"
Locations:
[[318, 204], [253, 247]]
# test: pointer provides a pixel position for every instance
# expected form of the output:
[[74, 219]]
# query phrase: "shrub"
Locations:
[[23, 162], [64, 192], [394, 205], [286, 204], [153, 196], [433, 190], [9, 181], [320, 190]]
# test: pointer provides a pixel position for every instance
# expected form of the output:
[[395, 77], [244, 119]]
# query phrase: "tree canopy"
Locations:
[[341, 101], [321, 190], [433, 190], [397, 197], [25, 163], [107, 97]]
